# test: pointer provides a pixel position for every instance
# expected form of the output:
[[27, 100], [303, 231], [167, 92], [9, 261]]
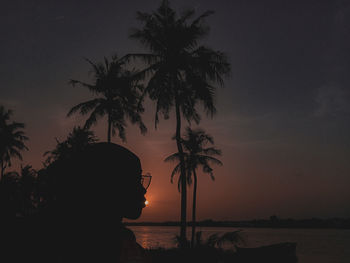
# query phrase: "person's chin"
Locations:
[[134, 214]]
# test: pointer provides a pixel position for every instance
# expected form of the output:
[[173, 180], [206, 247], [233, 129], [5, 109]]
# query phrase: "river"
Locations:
[[313, 245]]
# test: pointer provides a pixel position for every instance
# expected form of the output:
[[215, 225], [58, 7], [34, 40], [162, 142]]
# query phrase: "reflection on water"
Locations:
[[145, 240], [313, 245], [154, 237]]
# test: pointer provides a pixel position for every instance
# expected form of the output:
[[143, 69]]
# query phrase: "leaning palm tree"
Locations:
[[181, 72], [118, 95], [12, 140], [196, 155]]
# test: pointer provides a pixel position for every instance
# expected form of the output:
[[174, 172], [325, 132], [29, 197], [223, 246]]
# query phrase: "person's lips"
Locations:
[[144, 203]]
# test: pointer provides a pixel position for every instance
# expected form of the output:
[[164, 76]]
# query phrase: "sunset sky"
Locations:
[[283, 120]]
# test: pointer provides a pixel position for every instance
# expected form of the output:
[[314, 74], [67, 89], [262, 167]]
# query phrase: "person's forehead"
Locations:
[[134, 171], [110, 162]]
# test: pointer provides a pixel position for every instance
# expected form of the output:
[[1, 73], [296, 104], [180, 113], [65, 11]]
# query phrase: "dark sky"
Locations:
[[283, 119]]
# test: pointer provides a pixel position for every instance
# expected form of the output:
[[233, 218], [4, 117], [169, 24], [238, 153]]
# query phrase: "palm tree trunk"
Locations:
[[109, 128], [194, 207], [183, 239]]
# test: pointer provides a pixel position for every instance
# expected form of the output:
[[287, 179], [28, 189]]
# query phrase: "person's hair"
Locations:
[[100, 173]]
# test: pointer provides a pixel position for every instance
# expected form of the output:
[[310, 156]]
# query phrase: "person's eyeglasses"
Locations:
[[146, 180]]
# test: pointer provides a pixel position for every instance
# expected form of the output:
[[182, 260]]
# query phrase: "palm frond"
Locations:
[[74, 82], [96, 114], [85, 107], [149, 59], [234, 237], [175, 171], [212, 151], [12, 138], [209, 159], [212, 240], [172, 158]]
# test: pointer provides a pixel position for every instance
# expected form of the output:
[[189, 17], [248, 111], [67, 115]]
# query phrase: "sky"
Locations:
[[283, 120]]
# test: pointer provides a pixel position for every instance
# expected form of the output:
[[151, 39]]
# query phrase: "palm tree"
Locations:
[[181, 72], [196, 155], [12, 139], [119, 94], [76, 141]]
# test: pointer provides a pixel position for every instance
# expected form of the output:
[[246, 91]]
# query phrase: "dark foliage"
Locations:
[[181, 72], [117, 92], [12, 139]]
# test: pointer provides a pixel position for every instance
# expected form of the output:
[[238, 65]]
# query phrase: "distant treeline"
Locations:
[[273, 222]]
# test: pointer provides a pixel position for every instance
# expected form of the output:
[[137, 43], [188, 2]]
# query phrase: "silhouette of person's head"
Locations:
[[103, 181], [95, 189]]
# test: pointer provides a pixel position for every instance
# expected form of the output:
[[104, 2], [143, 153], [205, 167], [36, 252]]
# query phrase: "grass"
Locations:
[[277, 253]]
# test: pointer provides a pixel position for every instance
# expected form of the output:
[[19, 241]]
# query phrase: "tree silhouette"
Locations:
[[118, 95], [181, 72], [76, 141], [27, 190], [12, 139], [9, 196], [196, 155]]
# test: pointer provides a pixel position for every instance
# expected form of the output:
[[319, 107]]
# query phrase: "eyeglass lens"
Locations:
[[146, 180]]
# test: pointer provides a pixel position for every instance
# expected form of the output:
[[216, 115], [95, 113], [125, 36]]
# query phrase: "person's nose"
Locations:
[[143, 189]]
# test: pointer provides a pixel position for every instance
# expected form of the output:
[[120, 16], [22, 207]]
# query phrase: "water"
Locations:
[[313, 245]]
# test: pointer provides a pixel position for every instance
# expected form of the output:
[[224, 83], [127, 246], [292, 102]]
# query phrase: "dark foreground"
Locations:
[[277, 253]]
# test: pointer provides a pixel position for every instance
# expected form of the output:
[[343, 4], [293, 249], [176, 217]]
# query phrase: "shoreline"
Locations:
[[335, 223]]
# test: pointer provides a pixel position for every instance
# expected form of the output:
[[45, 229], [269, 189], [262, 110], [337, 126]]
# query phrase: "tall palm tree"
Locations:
[[12, 139], [181, 72], [118, 95], [196, 155]]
